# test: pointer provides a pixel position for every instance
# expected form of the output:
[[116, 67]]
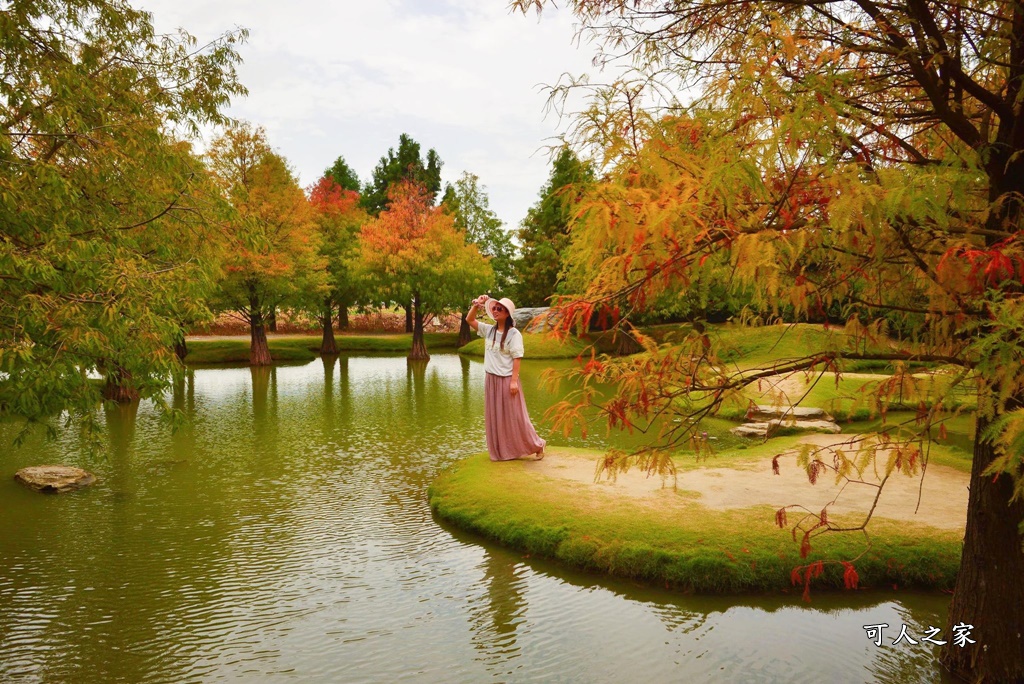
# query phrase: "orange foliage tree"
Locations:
[[272, 257], [413, 252], [855, 155], [340, 218]]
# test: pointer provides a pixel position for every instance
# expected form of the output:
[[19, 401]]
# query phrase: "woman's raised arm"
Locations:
[[471, 314]]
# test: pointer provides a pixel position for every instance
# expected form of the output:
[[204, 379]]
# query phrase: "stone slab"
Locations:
[[766, 428], [54, 478]]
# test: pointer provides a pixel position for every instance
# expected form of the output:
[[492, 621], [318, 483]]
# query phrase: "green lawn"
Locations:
[[852, 397], [538, 346], [671, 539]]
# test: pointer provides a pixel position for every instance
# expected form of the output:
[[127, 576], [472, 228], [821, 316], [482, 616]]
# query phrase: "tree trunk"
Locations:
[[408, 318], [327, 345], [465, 332], [180, 346], [118, 386], [625, 343], [259, 351], [272, 320], [419, 348], [989, 591], [343, 316]]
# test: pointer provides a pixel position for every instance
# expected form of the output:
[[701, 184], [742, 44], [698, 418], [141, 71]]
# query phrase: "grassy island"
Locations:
[[668, 537]]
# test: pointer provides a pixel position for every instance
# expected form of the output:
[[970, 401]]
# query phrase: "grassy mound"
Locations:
[[852, 396], [671, 539]]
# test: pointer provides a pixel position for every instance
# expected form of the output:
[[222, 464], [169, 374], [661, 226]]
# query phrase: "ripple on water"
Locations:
[[284, 535]]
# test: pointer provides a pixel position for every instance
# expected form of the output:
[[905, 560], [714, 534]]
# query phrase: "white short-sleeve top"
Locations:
[[498, 360]]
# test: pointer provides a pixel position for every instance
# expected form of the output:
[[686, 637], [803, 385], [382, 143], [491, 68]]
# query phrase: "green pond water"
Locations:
[[284, 536]]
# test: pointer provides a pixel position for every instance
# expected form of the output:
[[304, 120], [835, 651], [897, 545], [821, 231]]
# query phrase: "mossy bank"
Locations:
[[670, 539]]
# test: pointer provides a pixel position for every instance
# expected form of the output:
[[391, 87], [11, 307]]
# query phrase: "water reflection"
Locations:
[[283, 534], [497, 616]]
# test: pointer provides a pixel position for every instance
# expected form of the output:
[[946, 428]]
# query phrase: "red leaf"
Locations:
[[813, 468], [850, 576], [805, 545]]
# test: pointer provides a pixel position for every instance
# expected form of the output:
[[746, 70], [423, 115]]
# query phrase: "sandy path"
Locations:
[[943, 495]]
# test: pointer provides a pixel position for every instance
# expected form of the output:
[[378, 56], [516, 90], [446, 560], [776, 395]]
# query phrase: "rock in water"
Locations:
[[54, 478]]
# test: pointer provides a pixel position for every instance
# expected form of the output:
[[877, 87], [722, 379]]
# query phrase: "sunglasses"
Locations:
[[499, 307]]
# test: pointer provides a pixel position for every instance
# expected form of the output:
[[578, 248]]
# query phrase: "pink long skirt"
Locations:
[[510, 433]]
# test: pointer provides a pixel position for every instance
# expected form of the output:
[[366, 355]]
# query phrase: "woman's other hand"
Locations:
[[513, 387]]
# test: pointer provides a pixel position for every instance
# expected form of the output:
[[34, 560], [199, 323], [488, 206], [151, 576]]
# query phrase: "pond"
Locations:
[[284, 536]]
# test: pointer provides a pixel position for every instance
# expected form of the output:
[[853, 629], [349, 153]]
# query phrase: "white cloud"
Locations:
[[346, 78]]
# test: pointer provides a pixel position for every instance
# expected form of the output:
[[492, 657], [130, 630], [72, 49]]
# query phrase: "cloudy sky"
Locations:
[[346, 78]]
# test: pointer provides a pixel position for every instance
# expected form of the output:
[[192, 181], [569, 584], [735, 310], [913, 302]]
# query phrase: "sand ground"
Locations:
[[938, 499]]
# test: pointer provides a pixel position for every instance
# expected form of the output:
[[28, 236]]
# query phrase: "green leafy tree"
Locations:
[[544, 233], [104, 211], [394, 168], [272, 259], [342, 174], [469, 204], [864, 154], [407, 164], [413, 252]]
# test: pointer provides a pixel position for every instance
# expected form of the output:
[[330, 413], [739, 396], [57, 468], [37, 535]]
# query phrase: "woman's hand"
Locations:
[[513, 387], [481, 300]]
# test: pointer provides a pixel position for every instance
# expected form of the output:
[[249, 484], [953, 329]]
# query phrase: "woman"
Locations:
[[510, 433]]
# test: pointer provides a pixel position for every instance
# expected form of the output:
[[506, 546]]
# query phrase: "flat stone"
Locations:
[[751, 430], [829, 426], [764, 429], [54, 478]]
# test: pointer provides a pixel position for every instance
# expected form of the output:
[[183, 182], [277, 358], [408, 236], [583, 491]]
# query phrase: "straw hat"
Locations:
[[504, 301]]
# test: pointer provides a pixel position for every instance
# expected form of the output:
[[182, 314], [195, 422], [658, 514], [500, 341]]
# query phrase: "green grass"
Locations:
[[742, 346], [307, 347], [956, 450], [395, 342], [538, 346], [670, 539], [748, 347], [236, 350], [852, 398]]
